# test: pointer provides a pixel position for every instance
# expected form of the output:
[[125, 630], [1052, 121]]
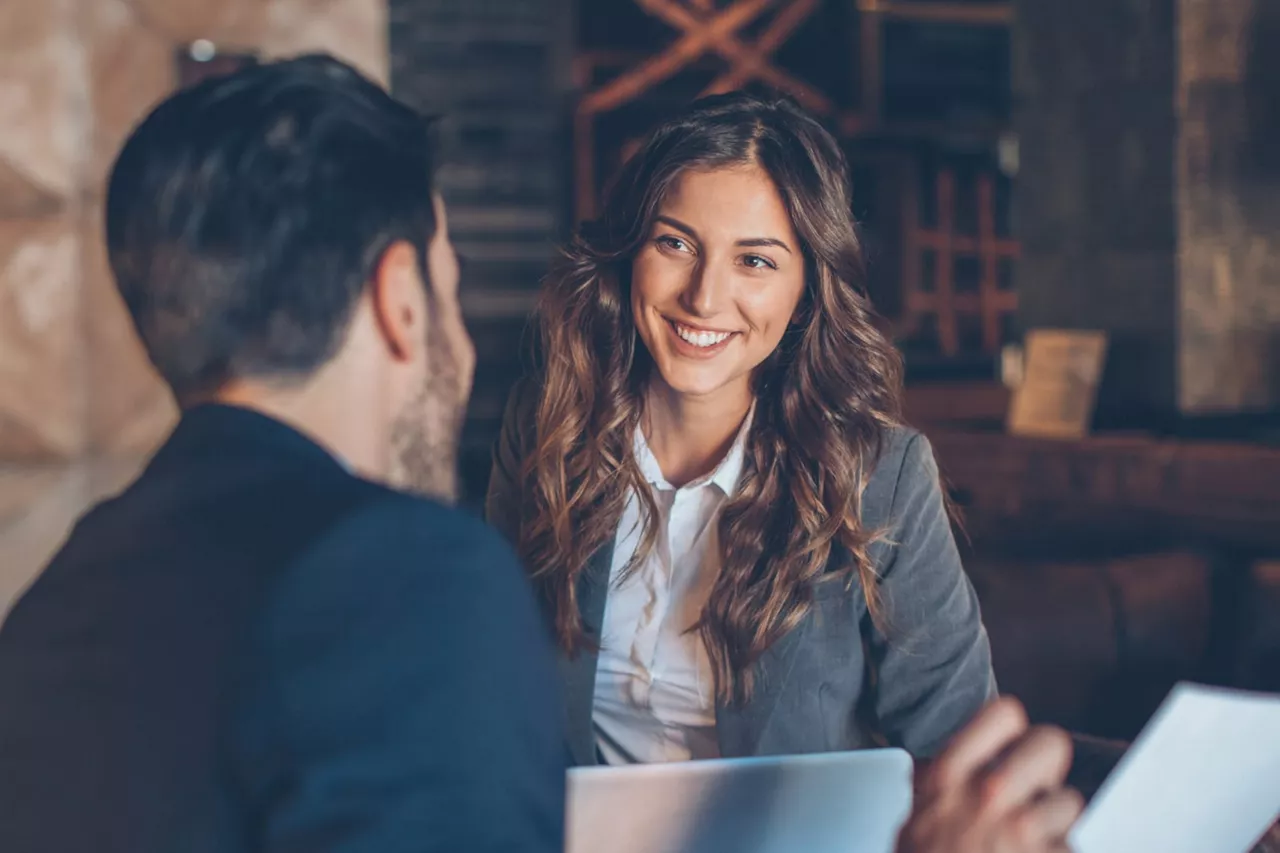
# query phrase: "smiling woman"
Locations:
[[739, 548], [704, 286]]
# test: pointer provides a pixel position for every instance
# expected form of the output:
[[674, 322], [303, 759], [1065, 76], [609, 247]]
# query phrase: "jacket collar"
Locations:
[[232, 433]]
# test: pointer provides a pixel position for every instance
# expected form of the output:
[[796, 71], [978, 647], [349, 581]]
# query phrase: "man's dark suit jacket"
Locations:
[[253, 650]]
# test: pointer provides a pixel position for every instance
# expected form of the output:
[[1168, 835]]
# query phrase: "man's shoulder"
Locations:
[[288, 532], [395, 540], [402, 571], [398, 523]]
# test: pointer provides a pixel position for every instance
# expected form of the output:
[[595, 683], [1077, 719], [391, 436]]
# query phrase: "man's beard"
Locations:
[[426, 434]]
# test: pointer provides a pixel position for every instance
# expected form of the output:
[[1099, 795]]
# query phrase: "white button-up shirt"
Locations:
[[655, 692]]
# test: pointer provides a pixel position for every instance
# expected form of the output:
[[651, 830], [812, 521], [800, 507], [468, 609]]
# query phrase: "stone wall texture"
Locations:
[[1228, 206], [1094, 195], [80, 407], [1148, 202]]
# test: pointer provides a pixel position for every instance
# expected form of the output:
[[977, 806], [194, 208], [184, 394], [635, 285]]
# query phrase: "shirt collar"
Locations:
[[726, 476]]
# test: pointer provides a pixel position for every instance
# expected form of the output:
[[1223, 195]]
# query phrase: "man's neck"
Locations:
[[329, 419]]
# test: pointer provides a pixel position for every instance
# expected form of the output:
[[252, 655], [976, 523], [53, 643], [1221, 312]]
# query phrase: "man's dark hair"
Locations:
[[245, 215]]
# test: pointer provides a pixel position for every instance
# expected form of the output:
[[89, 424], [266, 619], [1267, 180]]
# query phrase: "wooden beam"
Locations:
[[1203, 490], [939, 404], [740, 55], [693, 44], [962, 244], [963, 303], [911, 272], [871, 70], [779, 30], [941, 12], [584, 167], [944, 269], [988, 287]]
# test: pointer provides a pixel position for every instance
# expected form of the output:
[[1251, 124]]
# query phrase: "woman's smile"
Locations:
[[695, 342]]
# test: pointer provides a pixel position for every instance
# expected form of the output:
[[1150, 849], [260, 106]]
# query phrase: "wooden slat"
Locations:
[[944, 270], [939, 404], [739, 55], [911, 271], [871, 67], [963, 244], [584, 166], [990, 303], [988, 286], [693, 44], [779, 30], [941, 12], [1207, 491], [961, 303], [705, 31]]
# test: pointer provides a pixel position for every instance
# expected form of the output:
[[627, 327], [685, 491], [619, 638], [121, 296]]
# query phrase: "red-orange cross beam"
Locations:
[[715, 31], [753, 60]]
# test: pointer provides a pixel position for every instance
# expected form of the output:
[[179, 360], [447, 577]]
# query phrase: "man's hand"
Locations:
[[998, 788]]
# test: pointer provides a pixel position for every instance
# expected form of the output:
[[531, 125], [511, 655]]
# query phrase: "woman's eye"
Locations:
[[669, 242], [758, 262]]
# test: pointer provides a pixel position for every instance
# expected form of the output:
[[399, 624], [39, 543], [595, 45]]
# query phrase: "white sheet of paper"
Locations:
[[1203, 777]]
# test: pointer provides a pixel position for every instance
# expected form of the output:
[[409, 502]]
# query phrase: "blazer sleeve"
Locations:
[[408, 694], [932, 661], [502, 501]]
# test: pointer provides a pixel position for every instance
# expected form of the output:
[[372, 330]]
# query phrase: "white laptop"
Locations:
[[842, 802]]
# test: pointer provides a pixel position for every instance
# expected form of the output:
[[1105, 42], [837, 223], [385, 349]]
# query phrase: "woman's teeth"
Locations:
[[699, 338]]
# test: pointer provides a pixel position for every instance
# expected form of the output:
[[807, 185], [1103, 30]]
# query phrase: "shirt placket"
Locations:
[[681, 529], [657, 585]]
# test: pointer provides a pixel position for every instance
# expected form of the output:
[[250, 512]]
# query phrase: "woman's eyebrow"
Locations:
[[758, 242], [750, 242]]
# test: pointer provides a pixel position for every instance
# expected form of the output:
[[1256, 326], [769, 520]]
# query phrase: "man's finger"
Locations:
[[1046, 822], [995, 728], [1038, 764]]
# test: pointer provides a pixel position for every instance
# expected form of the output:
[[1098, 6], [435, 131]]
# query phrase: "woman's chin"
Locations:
[[690, 381]]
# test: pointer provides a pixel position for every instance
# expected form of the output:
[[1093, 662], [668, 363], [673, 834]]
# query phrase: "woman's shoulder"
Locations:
[[522, 399], [521, 411], [520, 419], [904, 466], [899, 445]]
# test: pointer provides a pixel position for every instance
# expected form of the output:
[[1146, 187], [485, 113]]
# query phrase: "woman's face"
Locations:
[[718, 280]]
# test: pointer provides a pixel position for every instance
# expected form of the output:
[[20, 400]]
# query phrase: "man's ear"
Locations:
[[399, 300]]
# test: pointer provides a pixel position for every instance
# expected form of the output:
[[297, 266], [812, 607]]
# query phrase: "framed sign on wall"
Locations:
[[1059, 386]]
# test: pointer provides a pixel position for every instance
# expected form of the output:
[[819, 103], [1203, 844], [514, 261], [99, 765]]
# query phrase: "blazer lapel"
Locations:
[[741, 729], [579, 673]]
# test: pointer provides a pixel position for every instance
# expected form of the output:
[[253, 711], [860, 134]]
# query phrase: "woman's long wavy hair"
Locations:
[[824, 397]]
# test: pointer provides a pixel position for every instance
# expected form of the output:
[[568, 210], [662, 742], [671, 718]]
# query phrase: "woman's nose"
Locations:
[[707, 289]]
